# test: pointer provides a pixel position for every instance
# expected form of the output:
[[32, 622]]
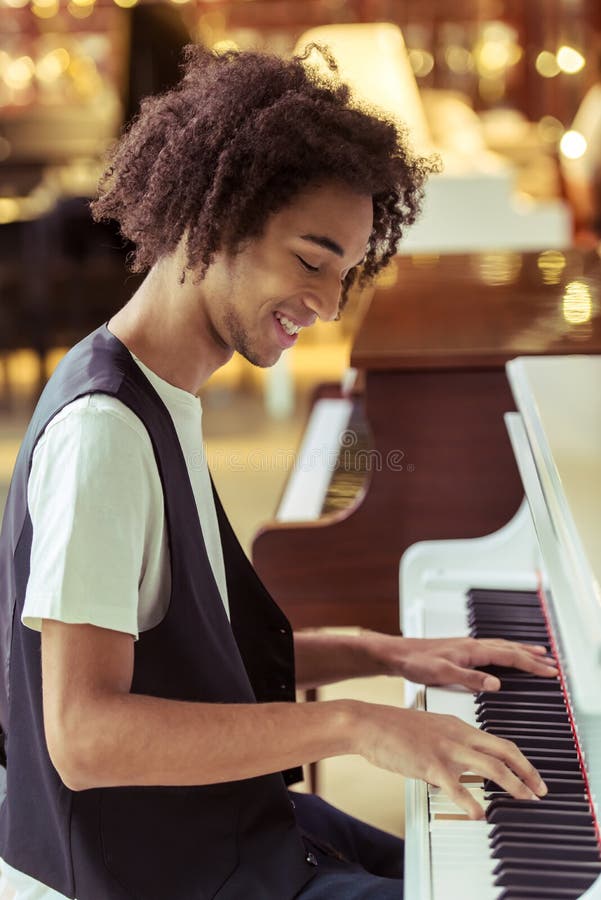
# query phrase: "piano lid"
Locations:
[[560, 405]]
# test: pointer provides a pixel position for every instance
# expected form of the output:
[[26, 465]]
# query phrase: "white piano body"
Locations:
[[553, 544]]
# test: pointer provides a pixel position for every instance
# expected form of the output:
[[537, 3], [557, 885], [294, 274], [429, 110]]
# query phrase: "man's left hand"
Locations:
[[445, 661]]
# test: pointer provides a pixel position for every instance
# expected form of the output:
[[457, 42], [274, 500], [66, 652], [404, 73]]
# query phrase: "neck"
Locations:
[[166, 327]]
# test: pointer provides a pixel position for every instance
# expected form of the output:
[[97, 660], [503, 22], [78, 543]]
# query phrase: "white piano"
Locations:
[[551, 548]]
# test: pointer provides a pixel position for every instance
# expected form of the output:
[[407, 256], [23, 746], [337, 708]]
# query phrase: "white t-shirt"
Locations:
[[100, 553]]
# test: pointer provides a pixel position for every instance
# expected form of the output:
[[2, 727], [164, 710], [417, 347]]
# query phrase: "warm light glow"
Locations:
[[493, 56], [573, 145], [458, 59], [9, 210], [425, 260], [499, 268], [546, 64], [577, 303], [85, 75], [373, 60], [491, 89], [422, 62], [550, 130], [19, 72], [225, 46], [180, 2], [80, 12], [126, 4], [16, 4], [387, 276], [497, 49], [570, 60], [551, 264], [52, 65], [45, 9]]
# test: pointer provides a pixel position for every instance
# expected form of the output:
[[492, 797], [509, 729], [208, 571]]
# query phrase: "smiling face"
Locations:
[[256, 300]]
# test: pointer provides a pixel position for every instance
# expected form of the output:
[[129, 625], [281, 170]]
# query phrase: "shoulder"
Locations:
[[93, 441]]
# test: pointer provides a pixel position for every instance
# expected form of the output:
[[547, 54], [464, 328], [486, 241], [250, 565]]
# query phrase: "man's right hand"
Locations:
[[439, 749]]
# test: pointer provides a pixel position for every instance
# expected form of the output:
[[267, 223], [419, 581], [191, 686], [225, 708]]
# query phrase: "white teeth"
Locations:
[[288, 326]]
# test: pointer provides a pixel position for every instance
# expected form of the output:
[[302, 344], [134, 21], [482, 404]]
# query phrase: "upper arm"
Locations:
[[82, 665], [95, 502]]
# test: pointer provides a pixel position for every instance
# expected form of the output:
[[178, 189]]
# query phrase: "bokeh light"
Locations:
[[570, 60], [546, 64], [573, 145]]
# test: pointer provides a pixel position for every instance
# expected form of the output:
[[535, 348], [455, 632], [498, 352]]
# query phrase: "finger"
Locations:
[[513, 656], [536, 649], [472, 679], [499, 773], [462, 798], [513, 758]]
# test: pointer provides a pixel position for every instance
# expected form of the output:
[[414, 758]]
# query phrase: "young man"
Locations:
[[149, 685]]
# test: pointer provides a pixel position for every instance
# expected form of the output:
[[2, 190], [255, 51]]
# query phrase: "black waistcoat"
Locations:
[[234, 841]]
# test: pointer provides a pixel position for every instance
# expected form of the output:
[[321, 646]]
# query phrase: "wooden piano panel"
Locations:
[[432, 348]]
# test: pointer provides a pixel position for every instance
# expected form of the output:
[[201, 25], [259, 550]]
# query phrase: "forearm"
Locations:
[[324, 658], [131, 739]]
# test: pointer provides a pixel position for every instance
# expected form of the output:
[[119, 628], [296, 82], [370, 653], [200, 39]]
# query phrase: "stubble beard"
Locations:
[[241, 341]]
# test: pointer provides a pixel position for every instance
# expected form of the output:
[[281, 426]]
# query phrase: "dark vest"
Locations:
[[231, 841]]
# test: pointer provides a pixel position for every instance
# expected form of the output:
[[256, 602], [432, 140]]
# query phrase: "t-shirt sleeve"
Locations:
[[89, 502]]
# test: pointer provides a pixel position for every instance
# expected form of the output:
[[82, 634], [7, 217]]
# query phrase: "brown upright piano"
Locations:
[[434, 458]]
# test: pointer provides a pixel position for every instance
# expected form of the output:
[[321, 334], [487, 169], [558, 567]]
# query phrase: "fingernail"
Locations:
[[534, 797], [542, 789], [491, 683], [538, 648]]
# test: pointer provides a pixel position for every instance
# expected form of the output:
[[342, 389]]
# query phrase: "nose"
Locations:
[[325, 300]]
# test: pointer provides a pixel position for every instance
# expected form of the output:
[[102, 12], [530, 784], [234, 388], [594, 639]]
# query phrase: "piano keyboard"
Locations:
[[522, 850]]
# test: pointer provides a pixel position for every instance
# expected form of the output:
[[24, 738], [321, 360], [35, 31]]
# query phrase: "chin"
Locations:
[[261, 360]]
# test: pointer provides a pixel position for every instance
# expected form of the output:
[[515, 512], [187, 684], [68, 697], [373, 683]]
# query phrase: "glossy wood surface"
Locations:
[[432, 346], [469, 311]]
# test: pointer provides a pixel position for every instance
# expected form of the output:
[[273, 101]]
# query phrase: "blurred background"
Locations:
[[507, 92]]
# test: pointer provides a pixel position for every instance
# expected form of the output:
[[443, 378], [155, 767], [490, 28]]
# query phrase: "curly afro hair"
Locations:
[[234, 141]]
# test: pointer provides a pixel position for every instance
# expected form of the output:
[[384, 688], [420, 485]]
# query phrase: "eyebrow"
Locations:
[[325, 242]]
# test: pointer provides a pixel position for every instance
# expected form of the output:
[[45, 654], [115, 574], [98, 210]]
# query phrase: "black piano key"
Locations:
[[552, 867], [535, 740], [539, 817], [547, 893], [535, 635], [524, 715], [551, 741], [531, 696], [523, 701], [545, 848], [551, 729], [533, 852], [503, 800], [516, 877], [543, 685], [583, 838], [549, 774], [483, 614], [572, 833], [501, 622], [575, 787], [503, 597], [566, 762]]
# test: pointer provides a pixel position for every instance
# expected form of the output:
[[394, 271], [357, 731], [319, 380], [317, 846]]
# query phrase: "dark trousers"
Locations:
[[355, 861]]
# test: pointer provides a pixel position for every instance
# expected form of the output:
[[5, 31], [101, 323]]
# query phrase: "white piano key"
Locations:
[[316, 460], [452, 702]]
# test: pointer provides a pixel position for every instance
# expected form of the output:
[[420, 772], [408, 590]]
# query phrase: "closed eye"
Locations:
[[306, 265]]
